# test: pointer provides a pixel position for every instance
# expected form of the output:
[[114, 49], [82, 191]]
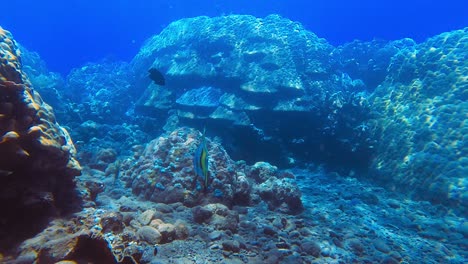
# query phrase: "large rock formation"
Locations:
[[37, 163], [423, 106], [268, 87], [100, 92], [164, 173], [369, 61]]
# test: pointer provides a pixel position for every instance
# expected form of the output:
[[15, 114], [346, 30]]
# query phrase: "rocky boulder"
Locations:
[[100, 92], [37, 155], [422, 127], [253, 81], [164, 173], [369, 61]]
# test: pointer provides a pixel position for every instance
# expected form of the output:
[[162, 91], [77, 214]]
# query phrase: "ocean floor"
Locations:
[[344, 221]]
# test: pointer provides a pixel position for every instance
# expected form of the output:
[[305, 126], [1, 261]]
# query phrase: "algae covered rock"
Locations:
[[422, 128], [257, 56], [259, 79], [216, 215], [369, 61], [164, 173], [260, 62], [100, 92]]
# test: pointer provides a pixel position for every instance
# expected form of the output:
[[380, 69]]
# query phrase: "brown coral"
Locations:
[[36, 153]]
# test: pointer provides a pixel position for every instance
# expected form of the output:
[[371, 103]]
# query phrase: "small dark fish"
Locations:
[[200, 162], [156, 76]]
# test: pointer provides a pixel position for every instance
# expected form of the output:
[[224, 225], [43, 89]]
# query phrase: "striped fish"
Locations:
[[200, 162]]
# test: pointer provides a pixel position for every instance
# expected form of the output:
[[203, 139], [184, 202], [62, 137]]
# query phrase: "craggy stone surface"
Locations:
[[164, 173], [100, 92], [260, 79], [422, 128], [37, 155], [369, 61], [259, 56], [50, 85]]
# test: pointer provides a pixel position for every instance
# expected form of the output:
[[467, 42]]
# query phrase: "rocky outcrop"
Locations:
[[37, 155], [369, 61], [423, 110], [51, 85], [254, 81], [100, 92], [164, 173]]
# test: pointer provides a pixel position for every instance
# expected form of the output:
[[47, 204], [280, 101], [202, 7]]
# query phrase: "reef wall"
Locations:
[[269, 88], [37, 155], [422, 109]]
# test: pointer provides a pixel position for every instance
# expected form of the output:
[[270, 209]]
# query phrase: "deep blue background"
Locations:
[[68, 33]]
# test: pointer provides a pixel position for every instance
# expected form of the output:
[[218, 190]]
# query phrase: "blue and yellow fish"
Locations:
[[200, 162]]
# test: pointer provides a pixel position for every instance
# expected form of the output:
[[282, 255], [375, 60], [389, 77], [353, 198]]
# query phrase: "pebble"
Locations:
[[135, 223], [231, 245], [326, 251], [370, 199], [215, 235], [167, 231], [381, 246], [215, 246], [356, 246], [294, 234], [249, 225], [146, 217], [389, 260], [337, 242], [164, 208], [149, 234], [282, 245], [462, 228], [311, 248], [393, 203], [278, 223], [269, 230]]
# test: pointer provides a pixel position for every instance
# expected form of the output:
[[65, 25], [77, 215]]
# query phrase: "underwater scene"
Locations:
[[233, 132]]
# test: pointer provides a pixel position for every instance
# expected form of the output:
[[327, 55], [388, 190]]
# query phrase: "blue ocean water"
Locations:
[[335, 131], [69, 34]]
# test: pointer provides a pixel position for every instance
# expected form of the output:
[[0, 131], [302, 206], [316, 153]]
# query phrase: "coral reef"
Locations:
[[422, 124], [100, 92], [261, 79], [368, 61], [50, 85], [270, 91], [37, 155], [164, 173]]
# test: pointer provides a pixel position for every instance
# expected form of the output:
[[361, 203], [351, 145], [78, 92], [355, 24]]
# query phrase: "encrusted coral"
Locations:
[[37, 155], [29, 130], [100, 92], [164, 173], [264, 79], [423, 107]]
